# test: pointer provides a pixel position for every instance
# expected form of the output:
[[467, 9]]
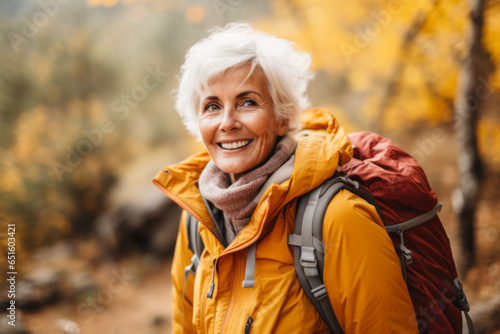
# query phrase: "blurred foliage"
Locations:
[[394, 65], [85, 90], [380, 65]]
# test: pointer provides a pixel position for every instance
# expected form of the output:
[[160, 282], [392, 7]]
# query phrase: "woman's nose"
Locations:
[[229, 121]]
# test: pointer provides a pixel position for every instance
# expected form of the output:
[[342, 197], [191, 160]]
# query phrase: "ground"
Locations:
[[133, 297]]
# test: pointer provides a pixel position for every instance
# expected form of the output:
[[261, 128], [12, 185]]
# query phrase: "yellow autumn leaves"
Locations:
[[402, 56], [193, 13]]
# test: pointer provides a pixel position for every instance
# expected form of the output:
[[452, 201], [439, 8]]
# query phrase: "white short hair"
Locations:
[[286, 68]]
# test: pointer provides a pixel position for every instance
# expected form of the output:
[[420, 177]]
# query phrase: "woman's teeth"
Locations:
[[232, 146]]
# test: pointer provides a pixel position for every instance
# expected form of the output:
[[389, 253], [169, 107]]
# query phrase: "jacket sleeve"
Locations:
[[362, 272], [182, 292]]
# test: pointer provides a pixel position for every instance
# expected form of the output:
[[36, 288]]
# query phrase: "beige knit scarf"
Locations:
[[238, 200]]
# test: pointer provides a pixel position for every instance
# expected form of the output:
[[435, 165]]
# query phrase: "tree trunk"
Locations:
[[467, 103]]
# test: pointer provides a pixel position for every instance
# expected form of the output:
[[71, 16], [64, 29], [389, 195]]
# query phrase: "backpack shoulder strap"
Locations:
[[195, 244], [309, 248]]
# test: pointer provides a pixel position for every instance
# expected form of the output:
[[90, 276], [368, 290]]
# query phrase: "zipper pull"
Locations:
[[212, 285], [247, 326]]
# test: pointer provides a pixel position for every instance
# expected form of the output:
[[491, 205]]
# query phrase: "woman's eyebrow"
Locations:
[[212, 97], [248, 92]]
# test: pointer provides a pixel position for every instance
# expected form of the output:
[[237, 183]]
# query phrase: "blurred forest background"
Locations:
[[87, 119]]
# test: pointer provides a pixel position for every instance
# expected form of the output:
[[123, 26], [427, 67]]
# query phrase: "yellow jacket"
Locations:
[[362, 273]]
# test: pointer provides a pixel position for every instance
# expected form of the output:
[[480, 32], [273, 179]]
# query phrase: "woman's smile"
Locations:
[[232, 145]]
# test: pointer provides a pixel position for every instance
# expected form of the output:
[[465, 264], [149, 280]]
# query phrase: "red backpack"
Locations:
[[393, 181]]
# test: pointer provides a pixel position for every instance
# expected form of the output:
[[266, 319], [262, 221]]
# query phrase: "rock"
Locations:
[[54, 253], [39, 288], [128, 229], [140, 217], [80, 285]]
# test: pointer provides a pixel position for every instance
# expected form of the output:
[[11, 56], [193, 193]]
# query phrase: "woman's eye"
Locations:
[[249, 103], [211, 107]]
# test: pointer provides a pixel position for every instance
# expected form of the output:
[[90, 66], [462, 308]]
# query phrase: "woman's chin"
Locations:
[[235, 164]]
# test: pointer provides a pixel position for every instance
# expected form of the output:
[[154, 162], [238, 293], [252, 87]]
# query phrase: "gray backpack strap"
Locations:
[[195, 244], [309, 249], [249, 282], [404, 253]]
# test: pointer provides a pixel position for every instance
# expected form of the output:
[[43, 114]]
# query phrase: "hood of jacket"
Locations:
[[321, 146]]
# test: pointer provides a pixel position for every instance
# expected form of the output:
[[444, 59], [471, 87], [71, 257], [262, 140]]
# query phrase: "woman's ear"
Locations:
[[282, 128]]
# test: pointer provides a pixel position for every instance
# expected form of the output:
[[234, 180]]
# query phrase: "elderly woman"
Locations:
[[242, 93]]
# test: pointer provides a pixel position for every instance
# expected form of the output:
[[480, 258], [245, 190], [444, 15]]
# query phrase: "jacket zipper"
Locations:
[[212, 285], [247, 326]]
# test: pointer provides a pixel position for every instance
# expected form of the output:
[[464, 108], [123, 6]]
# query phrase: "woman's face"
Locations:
[[237, 122]]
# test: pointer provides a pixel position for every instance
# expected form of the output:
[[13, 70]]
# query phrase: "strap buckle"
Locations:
[[308, 261], [462, 302], [195, 261], [191, 268], [319, 292], [307, 257], [406, 254]]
